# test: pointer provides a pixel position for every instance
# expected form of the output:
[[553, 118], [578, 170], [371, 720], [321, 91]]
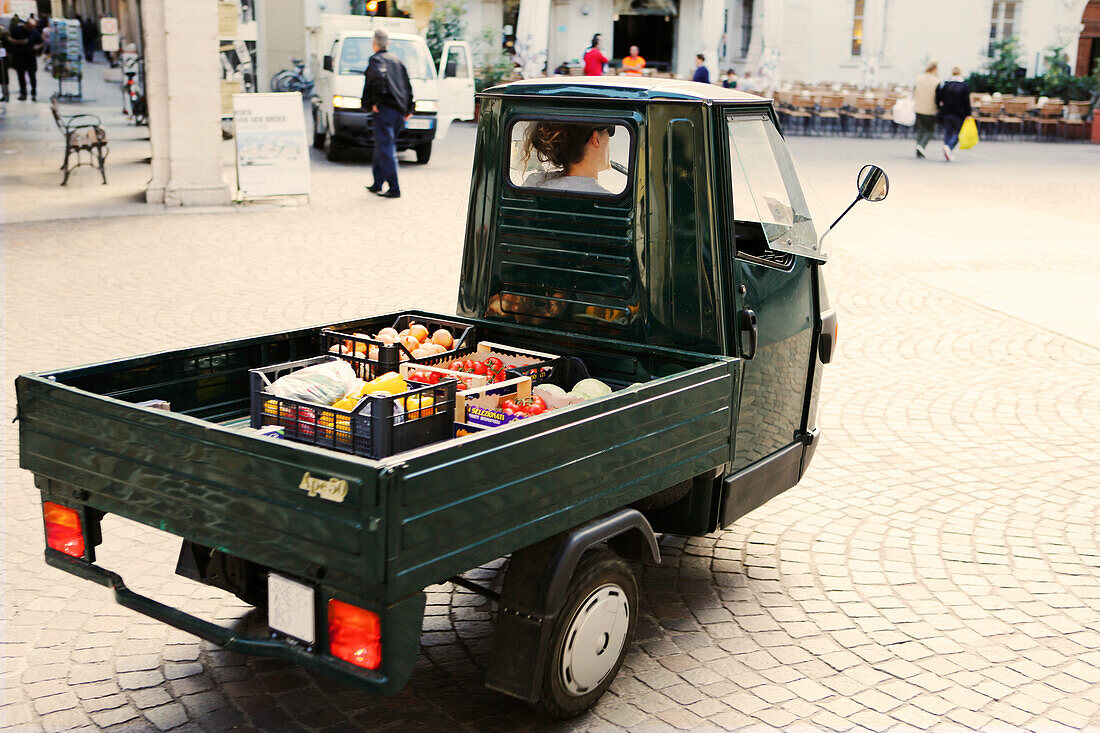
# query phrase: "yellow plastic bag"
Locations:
[[968, 134]]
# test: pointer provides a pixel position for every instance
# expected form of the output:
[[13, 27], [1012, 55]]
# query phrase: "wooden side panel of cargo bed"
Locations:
[[460, 507], [214, 486]]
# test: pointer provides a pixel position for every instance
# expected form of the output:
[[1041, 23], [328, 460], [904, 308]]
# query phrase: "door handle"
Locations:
[[748, 323]]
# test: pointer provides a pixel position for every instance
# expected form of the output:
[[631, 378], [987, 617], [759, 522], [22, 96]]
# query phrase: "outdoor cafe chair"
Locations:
[[1050, 115], [1076, 119]]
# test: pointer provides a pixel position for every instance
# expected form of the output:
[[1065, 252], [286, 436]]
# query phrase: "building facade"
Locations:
[[884, 41]]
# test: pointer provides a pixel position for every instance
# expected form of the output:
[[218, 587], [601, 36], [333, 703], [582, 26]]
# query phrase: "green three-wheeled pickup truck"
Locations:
[[650, 234]]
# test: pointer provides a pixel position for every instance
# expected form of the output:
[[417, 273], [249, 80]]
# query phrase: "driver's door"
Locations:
[[773, 303], [456, 84]]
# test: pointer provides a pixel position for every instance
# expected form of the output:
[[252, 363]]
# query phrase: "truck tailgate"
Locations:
[[464, 503], [211, 484]]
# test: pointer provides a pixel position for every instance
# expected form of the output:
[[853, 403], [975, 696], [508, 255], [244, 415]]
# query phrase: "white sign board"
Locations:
[[272, 152]]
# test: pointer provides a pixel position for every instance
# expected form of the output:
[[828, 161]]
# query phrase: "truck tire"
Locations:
[[333, 151], [591, 635], [318, 137], [423, 153]]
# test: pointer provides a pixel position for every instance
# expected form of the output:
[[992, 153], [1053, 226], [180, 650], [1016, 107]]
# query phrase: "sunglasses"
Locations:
[[610, 130]]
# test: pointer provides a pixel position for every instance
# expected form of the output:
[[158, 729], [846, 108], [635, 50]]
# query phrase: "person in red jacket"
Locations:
[[594, 59]]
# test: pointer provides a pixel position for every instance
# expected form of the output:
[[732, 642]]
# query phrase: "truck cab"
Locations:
[[440, 96], [700, 238]]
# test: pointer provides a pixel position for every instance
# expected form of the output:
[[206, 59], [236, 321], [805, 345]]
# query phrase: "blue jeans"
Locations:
[[951, 127], [387, 123]]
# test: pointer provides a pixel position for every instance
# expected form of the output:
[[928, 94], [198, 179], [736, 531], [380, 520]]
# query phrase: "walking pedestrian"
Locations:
[[388, 94], [953, 101], [633, 64], [5, 57], [702, 74], [924, 104], [26, 42], [594, 60]]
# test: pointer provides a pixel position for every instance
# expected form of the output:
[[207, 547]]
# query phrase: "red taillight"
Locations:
[[63, 530], [354, 634]]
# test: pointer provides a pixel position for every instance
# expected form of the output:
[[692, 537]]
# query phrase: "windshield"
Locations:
[[357, 51], [583, 158], [766, 187]]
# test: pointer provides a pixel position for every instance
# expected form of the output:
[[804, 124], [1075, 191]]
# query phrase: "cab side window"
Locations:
[[772, 219], [582, 159]]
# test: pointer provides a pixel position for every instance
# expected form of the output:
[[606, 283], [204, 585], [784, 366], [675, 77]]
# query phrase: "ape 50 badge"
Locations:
[[334, 489]]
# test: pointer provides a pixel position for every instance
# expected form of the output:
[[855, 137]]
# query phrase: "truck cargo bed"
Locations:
[[405, 522]]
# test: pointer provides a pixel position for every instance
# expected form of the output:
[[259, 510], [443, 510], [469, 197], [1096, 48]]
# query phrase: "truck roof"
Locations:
[[623, 87]]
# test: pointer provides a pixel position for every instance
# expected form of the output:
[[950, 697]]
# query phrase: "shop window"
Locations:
[[857, 28], [590, 158]]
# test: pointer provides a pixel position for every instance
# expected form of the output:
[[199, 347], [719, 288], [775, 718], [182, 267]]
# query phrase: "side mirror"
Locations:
[[326, 63], [872, 183]]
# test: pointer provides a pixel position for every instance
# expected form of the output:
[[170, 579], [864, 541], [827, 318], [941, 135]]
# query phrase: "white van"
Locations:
[[343, 44]]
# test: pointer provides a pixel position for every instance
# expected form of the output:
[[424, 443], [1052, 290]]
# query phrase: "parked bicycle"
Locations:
[[133, 96], [298, 79]]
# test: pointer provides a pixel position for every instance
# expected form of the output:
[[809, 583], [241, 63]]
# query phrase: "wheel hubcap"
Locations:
[[595, 639]]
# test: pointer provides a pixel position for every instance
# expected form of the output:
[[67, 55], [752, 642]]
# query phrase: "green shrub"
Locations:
[[448, 22], [494, 64]]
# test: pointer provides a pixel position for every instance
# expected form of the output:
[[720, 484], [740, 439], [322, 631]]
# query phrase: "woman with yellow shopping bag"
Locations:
[[953, 103]]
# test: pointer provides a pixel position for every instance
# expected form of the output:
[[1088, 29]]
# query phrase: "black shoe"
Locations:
[[23, 98], [391, 194], [375, 188], [34, 98]]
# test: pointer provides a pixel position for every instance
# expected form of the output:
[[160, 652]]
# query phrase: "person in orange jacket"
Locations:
[[633, 64]]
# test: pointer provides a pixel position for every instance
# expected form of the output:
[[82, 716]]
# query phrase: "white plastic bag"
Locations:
[[904, 113], [321, 384]]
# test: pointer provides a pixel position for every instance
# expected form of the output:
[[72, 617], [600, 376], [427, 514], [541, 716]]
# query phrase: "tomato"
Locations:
[[508, 404], [462, 387], [509, 411], [468, 365], [499, 376], [536, 400], [494, 363], [480, 367], [536, 409], [434, 377], [456, 365]]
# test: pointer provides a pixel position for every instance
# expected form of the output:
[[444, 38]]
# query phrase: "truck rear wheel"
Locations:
[[423, 153], [591, 635]]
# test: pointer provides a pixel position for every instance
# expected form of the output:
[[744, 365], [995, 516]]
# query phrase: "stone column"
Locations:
[[184, 98]]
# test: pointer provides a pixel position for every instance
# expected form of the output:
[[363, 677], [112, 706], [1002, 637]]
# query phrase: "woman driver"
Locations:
[[580, 151]]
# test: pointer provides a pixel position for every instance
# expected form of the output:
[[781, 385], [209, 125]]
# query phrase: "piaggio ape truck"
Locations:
[[685, 275]]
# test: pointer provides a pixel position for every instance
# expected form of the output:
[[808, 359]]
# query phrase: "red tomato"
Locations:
[[462, 387], [434, 377], [468, 365], [535, 409], [508, 404], [494, 363], [509, 411], [456, 365], [480, 367], [499, 376], [536, 400]]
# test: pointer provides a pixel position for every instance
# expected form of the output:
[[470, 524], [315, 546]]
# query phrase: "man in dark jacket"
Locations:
[[953, 103], [388, 94], [26, 42]]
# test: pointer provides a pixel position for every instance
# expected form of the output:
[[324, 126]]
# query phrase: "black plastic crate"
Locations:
[[378, 426], [380, 358]]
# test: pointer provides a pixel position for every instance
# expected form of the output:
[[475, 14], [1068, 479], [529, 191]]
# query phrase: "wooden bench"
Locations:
[[83, 133]]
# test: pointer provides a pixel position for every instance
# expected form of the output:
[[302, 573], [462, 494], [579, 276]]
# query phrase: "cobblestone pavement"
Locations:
[[937, 567]]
